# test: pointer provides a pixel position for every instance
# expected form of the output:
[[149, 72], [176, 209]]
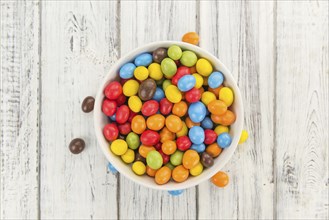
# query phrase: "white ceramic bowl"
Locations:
[[100, 120]]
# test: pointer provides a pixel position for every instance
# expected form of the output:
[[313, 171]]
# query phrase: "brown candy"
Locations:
[[139, 157], [206, 160], [159, 54], [77, 145], [88, 104], [147, 89]]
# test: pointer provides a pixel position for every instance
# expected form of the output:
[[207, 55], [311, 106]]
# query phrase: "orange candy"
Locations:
[[193, 69], [169, 147], [138, 124], [190, 159], [173, 123], [213, 150], [191, 38], [217, 107], [189, 123], [151, 172], [163, 175], [165, 135], [144, 150], [180, 109], [220, 179], [155, 122], [227, 118], [180, 173], [215, 91]]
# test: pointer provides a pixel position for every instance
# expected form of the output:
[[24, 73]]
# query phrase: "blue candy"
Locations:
[[186, 83], [197, 112], [144, 59], [224, 140], [196, 135], [175, 192], [159, 94], [207, 123], [215, 80], [198, 147], [111, 168], [127, 71], [112, 118]]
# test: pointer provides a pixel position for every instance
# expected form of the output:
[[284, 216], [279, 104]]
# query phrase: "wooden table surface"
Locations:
[[55, 53]]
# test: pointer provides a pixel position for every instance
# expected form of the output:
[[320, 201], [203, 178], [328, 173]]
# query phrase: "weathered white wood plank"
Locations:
[[241, 34], [143, 22], [302, 110], [19, 61], [79, 44]]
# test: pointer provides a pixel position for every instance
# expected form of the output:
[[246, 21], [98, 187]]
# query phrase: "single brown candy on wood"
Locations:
[[88, 104], [147, 89], [77, 145]]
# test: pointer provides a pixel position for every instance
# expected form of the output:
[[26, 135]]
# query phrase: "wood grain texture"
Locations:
[[241, 35], [143, 22], [19, 157], [79, 44], [302, 110]]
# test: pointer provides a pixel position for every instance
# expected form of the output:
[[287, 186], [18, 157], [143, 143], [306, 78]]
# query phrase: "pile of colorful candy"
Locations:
[[169, 114]]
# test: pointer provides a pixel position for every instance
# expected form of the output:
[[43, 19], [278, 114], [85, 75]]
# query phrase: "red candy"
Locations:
[[210, 136], [181, 71], [193, 95], [150, 108], [150, 138], [111, 131], [158, 146], [124, 129], [183, 143], [113, 90], [165, 106], [131, 115], [109, 107], [122, 114], [121, 99], [165, 157]]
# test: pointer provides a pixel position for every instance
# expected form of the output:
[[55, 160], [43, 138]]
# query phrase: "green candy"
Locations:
[[154, 159], [170, 166], [165, 84], [168, 67], [174, 52], [176, 158], [188, 58], [132, 140]]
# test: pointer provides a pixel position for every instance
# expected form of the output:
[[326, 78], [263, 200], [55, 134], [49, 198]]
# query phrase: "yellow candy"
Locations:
[[197, 170], [203, 67], [173, 94], [243, 137], [207, 97], [129, 156], [226, 95], [135, 104], [119, 147], [139, 168], [130, 87], [155, 71], [221, 129], [183, 131], [141, 73], [199, 80]]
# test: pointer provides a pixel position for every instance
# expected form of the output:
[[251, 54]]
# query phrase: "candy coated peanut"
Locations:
[[141, 73], [190, 159], [243, 137], [139, 168], [221, 129], [226, 95], [169, 147], [217, 107], [144, 150], [165, 135], [174, 52], [174, 123], [197, 170], [213, 150], [130, 87], [191, 38], [168, 67], [150, 172], [220, 179], [227, 118], [132, 140], [163, 175], [176, 158], [198, 80], [208, 97], [180, 174], [188, 58], [119, 147], [155, 122], [129, 156], [154, 159], [204, 67], [138, 124], [134, 103], [173, 94], [179, 109], [183, 131], [155, 71]]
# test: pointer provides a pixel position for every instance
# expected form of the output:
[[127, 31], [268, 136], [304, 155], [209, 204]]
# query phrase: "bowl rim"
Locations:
[[98, 115]]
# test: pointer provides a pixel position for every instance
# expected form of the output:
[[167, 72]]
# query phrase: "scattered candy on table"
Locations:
[[169, 115]]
